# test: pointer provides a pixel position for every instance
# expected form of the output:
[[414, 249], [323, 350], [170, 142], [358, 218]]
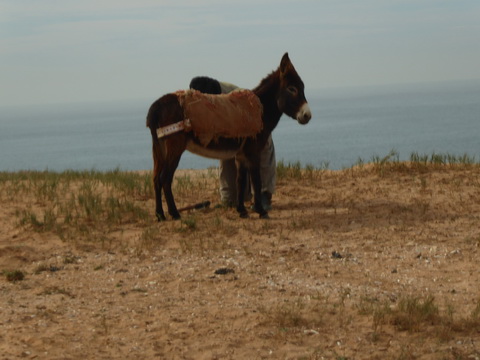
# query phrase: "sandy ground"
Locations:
[[322, 279]]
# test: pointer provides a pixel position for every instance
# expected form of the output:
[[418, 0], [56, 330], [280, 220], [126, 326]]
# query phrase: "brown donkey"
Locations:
[[281, 92]]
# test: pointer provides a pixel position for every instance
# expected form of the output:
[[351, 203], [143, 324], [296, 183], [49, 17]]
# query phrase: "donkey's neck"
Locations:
[[267, 92]]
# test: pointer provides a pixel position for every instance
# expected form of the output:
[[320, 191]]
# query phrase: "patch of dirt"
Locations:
[[322, 279]]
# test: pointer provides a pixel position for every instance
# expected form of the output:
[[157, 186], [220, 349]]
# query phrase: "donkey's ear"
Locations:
[[285, 64]]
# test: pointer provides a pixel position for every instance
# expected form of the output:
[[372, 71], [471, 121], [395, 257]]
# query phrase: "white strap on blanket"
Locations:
[[174, 128]]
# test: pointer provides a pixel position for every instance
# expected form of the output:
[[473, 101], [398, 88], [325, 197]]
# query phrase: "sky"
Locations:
[[59, 51]]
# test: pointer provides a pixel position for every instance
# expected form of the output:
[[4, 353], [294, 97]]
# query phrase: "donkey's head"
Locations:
[[291, 98]]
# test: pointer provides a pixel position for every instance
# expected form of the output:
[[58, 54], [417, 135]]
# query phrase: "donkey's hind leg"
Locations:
[[158, 164], [158, 198], [164, 169], [175, 145], [167, 179]]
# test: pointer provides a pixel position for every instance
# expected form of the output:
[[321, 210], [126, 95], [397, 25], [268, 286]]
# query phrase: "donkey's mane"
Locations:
[[266, 93], [265, 84]]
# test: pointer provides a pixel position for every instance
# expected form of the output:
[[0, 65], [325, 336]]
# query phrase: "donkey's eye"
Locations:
[[292, 90]]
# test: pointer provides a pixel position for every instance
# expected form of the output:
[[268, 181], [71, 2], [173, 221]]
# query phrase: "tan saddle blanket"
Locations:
[[234, 115]]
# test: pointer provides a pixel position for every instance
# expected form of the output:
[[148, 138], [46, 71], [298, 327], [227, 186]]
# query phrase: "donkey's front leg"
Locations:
[[241, 185], [257, 192]]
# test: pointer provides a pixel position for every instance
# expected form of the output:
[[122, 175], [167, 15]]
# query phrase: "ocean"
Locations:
[[348, 124]]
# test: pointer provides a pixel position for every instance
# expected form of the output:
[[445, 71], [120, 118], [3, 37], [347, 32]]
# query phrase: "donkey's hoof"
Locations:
[[176, 217], [244, 215], [264, 216], [160, 217]]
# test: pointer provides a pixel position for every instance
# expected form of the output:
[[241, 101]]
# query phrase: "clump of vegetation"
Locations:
[[442, 159], [412, 312], [297, 171], [296, 314], [55, 290], [188, 223], [14, 275], [150, 238], [419, 162], [419, 314]]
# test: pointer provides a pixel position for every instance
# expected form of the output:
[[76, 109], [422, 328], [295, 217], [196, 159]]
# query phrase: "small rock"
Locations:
[[224, 271], [336, 255]]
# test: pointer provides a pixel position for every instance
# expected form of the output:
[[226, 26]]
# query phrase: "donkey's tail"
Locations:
[[153, 115]]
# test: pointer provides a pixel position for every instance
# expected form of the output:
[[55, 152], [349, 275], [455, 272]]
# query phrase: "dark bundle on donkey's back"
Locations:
[[281, 92]]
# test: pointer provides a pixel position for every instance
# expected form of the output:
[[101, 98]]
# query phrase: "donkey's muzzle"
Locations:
[[304, 114]]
